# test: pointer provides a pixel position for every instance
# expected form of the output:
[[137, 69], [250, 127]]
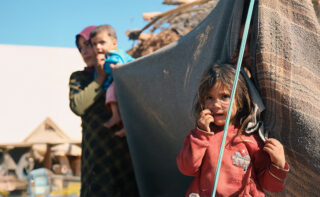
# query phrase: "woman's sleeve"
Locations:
[[82, 98], [270, 177], [194, 148]]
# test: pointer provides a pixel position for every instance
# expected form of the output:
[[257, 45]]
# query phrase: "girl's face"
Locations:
[[103, 43], [86, 51], [217, 101]]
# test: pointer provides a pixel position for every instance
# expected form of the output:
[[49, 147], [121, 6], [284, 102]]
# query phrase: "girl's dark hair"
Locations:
[[224, 74]]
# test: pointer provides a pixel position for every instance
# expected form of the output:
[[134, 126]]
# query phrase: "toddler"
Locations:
[[104, 41]]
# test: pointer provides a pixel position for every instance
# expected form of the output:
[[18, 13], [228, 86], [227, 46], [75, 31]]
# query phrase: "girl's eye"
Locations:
[[225, 96], [209, 98]]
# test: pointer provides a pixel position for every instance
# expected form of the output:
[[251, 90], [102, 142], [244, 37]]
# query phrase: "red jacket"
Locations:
[[245, 167]]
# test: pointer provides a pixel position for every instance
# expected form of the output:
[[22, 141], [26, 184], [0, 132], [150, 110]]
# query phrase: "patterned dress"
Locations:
[[106, 168]]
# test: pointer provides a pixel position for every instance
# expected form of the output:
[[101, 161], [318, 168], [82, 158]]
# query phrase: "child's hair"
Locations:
[[107, 28], [224, 74]]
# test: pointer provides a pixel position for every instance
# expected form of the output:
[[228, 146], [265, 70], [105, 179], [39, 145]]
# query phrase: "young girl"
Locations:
[[248, 165]]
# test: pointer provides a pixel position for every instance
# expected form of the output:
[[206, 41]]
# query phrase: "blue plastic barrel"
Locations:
[[39, 182]]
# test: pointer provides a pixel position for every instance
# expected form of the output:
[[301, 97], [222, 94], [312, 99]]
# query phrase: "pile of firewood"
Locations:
[[171, 25], [316, 4]]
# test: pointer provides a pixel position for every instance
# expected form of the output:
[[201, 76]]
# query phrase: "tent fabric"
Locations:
[[66, 149], [47, 133], [288, 74], [156, 92], [7, 164]]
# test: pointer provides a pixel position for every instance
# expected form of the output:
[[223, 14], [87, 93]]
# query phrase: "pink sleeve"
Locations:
[[190, 157], [111, 94], [269, 176]]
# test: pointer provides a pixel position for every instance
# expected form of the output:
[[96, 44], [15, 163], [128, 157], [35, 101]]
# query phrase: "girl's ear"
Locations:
[[201, 106], [240, 112], [115, 43]]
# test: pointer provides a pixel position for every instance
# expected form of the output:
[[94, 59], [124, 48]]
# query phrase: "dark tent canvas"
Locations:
[[156, 92]]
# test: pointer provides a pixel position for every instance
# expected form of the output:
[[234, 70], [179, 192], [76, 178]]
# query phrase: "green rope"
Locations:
[[225, 130]]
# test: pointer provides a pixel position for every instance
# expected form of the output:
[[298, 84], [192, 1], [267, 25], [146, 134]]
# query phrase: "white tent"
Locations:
[[66, 149], [34, 85], [47, 133]]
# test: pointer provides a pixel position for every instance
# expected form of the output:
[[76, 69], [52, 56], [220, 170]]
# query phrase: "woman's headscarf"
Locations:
[[85, 33]]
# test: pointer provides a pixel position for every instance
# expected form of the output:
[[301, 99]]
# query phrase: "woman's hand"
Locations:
[[275, 150], [112, 66], [101, 74], [205, 120]]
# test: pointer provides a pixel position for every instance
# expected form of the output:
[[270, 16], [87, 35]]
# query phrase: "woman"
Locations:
[[106, 168]]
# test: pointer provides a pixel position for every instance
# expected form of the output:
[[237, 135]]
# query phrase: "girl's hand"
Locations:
[[275, 150], [100, 59], [101, 74], [205, 120]]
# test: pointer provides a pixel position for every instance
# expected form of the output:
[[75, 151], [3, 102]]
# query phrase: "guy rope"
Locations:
[[225, 130]]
